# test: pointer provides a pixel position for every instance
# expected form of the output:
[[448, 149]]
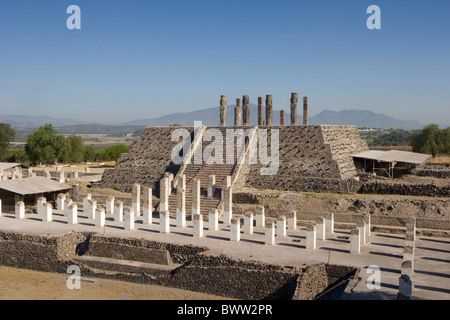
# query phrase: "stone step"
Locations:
[[102, 267]]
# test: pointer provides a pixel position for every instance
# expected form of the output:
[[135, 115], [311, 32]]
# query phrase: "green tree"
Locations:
[[40, 146], [113, 153], [89, 154], [7, 134], [431, 140], [18, 156], [76, 148], [62, 149]]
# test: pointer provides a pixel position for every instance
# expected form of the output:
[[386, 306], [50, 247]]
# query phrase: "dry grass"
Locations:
[[440, 160]]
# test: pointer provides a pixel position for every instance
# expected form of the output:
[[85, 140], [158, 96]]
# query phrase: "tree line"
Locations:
[[45, 146]]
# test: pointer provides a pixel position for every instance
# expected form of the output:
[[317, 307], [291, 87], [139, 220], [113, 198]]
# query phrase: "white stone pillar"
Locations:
[[408, 254], [40, 205], [292, 220], [225, 184], [196, 197], [136, 199], [110, 205], [181, 182], [260, 217], [92, 209], [211, 185], [47, 174], [20, 210], [100, 218], [405, 287], [235, 230], [311, 236], [75, 175], [72, 214], [163, 194], [407, 270], [320, 228], [61, 178], [67, 203], [411, 227], [361, 225], [228, 205], [86, 203], [329, 222], [409, 239], [47, 212], [355, 242], [129, 219], [281, 226], [213, 220], [60, 201], [181, 207], [366, 219], [148, 206], [118, 211], [248, 223], [169, 185], [269, 237], [87, 169], [198, 226], [164, 222]]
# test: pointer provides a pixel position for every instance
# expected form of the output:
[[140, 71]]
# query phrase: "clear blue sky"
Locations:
[[139, 59]]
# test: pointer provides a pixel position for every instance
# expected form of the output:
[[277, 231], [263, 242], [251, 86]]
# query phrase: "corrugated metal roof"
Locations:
[[394, 156], [8, 165], [34, 185]]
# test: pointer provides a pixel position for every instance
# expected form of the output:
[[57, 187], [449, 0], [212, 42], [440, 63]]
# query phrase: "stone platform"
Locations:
[[431, 272]]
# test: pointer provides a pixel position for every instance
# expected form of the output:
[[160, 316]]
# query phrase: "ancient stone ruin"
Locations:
[[311, 158]]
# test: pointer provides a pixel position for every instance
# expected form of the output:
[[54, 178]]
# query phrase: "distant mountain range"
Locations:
[[18, 121], [359, 118], [210, 116]]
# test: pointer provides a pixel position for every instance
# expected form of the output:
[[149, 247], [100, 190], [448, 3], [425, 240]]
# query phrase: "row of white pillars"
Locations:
[[359, 234]]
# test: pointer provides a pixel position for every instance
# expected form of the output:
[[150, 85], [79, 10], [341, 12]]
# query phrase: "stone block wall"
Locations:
[[312, 158], [146, 162], [219, 275]]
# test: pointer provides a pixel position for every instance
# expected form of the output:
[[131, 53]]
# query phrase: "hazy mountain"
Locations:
[[18, 121], [359, 118], [364, 118], [210, 116]]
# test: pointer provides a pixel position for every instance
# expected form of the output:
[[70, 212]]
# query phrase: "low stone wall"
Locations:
[[219, 275], [405, 189], [139, 250], [436, 173], [42, 253]]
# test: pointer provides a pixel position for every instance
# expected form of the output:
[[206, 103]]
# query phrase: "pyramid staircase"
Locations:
[[194, 171]]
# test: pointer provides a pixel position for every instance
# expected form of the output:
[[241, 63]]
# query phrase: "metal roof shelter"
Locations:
[[8, 165], [31, 188], [385, 162]]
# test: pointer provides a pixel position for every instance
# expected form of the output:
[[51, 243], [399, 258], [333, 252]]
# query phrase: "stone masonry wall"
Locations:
[[146, 162], [219, 275], [312, 158]]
